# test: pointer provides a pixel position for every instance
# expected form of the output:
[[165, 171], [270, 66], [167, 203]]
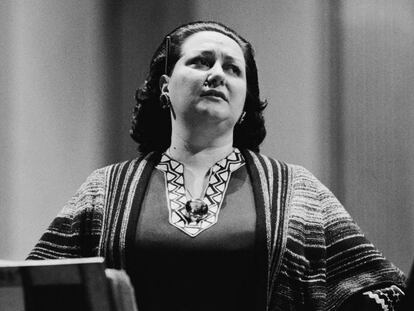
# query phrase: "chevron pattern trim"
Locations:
[[216, 189]]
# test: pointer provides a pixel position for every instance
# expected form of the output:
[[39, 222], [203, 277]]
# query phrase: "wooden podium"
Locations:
[[64, 284]]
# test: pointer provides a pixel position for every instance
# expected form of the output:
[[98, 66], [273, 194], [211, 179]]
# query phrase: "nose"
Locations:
[[216, 75]]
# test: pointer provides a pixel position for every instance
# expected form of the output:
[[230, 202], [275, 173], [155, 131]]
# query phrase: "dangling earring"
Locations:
[[241, 117], [166, 103]]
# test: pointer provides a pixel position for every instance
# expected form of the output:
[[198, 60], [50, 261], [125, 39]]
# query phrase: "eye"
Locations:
[[233, 69], [200, 63]]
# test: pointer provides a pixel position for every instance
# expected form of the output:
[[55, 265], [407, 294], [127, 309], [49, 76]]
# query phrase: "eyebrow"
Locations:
[[209, 53]]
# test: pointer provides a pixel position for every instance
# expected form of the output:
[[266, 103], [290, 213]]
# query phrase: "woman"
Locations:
[[202, 221]]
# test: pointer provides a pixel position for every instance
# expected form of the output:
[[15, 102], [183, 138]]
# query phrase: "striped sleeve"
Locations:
[[328, 259], [353, 264], [76, 230]]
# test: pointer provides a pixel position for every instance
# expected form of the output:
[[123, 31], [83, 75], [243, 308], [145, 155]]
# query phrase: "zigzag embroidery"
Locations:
[[216, 189], [378, 300], [385, 297]]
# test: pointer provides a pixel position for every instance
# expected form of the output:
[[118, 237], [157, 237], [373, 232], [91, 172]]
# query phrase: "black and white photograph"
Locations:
[[192, 155]]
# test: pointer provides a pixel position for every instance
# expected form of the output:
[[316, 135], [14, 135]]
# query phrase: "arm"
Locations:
[[358, 276]]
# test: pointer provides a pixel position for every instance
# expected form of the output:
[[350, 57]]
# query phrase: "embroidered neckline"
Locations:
[[213, 197]]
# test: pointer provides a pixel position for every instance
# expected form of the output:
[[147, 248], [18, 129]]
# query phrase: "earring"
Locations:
[[241, 119], [165, 101]]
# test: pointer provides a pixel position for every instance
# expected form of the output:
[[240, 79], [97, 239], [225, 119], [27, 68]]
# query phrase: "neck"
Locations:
[[197, 158], [200, 150]]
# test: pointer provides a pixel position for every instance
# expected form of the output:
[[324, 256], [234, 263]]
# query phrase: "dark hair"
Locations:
[[151, 124]]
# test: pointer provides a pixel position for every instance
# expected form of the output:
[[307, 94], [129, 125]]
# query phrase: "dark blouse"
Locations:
[[211, 271]]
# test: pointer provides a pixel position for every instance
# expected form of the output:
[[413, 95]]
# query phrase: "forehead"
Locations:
[[212, 41]]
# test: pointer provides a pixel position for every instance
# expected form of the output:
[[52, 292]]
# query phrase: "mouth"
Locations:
[[214, 93]]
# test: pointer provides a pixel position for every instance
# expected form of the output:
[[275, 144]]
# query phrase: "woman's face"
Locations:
[[216, 58]]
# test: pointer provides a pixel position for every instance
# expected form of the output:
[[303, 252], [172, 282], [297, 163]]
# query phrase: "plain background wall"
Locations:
[[53, 96], [378, 122], [70, 70], [5, 128]]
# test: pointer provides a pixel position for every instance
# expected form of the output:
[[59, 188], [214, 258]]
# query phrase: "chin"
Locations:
[[213, 109], [216, 115]]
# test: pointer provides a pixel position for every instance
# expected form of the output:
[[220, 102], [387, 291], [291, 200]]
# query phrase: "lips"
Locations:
[[214, 93]]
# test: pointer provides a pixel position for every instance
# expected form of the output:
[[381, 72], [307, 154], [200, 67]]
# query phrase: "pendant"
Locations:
[[196, 210]]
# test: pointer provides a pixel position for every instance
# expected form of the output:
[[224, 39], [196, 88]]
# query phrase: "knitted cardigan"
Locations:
[[310, 255]]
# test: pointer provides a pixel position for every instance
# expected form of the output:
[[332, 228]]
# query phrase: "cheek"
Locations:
[[239, 94], [185, 85]]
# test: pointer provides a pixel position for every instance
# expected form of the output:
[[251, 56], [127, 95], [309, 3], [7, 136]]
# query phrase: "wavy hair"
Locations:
[[151, 124]]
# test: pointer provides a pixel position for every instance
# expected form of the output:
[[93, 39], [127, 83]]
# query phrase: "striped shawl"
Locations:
[[310, 254]]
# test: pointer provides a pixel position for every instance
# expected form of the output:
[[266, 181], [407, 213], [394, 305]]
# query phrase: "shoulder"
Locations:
[[102, 176], [104, 181], [295, 175], [299, 186], [93, 189]]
